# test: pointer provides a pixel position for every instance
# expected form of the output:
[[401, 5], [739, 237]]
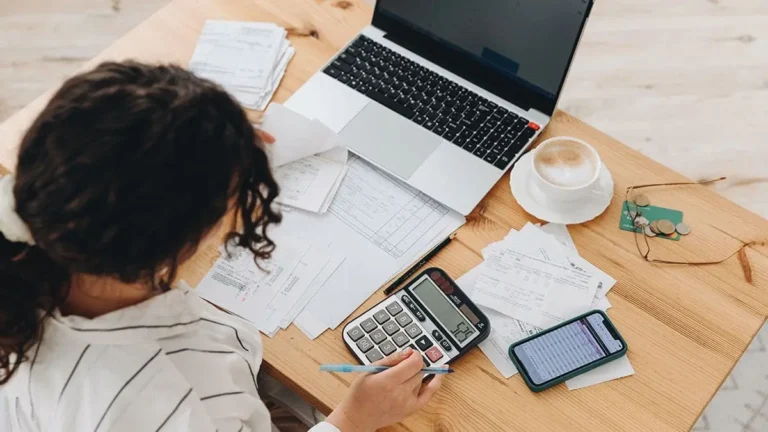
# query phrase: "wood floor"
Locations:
[[683, 81]]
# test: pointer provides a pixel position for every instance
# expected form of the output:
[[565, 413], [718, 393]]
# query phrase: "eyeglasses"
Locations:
[[641, 233]]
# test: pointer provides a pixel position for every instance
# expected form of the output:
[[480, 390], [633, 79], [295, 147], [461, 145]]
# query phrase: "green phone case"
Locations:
[[554, 382]]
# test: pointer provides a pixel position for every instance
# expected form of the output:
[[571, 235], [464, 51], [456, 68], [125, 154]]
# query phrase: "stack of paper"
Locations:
[[248, 59], [272, 296], [308, 157], [375, 227], [534, 279]]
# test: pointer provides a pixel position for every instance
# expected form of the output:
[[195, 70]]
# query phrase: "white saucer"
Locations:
[[533, 200]]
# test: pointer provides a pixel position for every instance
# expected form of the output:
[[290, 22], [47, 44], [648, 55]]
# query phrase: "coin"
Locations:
[[647, 230], [632, 214], [641, 221], [642, 200], [654, 226], [683, 229], [666, 227]]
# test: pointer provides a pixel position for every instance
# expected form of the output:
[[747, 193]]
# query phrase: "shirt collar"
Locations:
[[174, 312]]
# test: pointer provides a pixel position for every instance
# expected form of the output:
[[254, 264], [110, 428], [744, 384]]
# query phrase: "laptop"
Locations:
[[447, 94]]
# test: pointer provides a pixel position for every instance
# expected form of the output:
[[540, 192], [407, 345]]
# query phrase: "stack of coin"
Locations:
[[666, 227], [642, 200]]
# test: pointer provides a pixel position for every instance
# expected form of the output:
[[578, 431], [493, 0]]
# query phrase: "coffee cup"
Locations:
[[565, 169]]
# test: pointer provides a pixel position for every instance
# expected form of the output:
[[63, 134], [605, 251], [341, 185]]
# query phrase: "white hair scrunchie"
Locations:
[[13, 228]]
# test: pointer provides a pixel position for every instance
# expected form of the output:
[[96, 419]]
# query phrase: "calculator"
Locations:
[[431, 315]]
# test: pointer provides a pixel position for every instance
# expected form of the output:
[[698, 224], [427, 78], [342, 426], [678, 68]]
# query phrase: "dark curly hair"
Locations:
[[122, 175]]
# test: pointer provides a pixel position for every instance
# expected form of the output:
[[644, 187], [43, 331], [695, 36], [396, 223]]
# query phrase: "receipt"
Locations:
[[527, 278]]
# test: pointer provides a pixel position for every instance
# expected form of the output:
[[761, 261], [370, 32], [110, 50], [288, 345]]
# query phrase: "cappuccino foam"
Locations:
[[566, 164]]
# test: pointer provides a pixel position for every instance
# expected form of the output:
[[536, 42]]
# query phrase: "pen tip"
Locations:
[[450, 370]]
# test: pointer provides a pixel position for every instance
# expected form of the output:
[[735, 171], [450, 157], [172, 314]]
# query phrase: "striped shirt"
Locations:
[[171, 363]]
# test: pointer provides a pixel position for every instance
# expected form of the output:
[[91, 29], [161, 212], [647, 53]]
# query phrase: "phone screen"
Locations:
[[555, 353]]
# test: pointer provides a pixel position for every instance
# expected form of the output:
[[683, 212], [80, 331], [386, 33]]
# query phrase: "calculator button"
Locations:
[[419, 316], [423, 343], [436, 334], [381, 316], [426, 362], [434, 354], [374, 355], [413, 330], [387, 347], [394, 309], [355, 333], [368, 325], [446, 346], [391, 328], [365, 345], [400, 339], [377, 336], [403, 319]]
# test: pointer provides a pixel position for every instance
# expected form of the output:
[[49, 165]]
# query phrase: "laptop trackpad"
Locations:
[[389, 140]]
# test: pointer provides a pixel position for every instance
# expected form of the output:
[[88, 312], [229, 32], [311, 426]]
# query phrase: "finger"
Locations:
[[266, 137], [414, 383], [404, 370], [429, 390], [395, 358]]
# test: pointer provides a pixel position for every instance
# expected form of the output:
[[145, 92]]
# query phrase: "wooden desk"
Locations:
[[686, 326]]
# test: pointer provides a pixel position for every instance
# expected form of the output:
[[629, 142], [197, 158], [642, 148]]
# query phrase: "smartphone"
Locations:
[[567, 350]]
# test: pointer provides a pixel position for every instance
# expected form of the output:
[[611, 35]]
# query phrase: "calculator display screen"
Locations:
[[444, 311]]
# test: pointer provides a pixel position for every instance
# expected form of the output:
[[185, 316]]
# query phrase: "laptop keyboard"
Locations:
[[468, 120]]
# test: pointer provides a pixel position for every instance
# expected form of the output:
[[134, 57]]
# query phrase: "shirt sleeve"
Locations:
[[324, 427]]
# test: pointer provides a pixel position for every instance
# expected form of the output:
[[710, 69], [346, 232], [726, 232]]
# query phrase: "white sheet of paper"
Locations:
[[237, 53], [300, 279], [386, 223], [309, 183], [311, 326], [504, 330], [569, 255], [561, 234], [526, 287], [334, 261], [616, 369], [236, 284], [297, 137]]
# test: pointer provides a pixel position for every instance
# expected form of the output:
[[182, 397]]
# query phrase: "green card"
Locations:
[[651, 213]]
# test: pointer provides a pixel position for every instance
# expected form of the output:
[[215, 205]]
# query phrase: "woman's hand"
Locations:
[[378, 400]]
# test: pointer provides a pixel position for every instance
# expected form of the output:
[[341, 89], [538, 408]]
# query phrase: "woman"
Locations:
[[119, 180]]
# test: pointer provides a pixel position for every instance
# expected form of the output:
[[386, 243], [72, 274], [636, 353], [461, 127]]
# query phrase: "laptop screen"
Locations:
[[530, 41]]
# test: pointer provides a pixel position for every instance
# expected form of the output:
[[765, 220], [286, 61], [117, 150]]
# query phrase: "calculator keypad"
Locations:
[[394, 308], [381, 317], [391, 327], [401, 339], [374, 355], [423, 343], [368, 325], [364, 345], [377, 336], [413, 330], [387, 347], [403, 319], [355, 333]]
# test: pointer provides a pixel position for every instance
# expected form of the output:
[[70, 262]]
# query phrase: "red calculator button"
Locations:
[[434, 354], [534, 126]]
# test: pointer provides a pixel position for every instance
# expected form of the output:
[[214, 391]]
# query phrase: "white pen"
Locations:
[[348, 368]]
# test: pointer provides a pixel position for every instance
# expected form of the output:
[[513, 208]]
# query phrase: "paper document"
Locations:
[[550, 243], [504, 330], [235, 283], [380, 224], [248, 59], [309, 158]]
